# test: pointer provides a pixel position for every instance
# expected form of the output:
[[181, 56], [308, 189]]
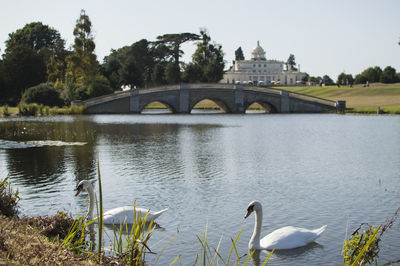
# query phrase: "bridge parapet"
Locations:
[[233, 97]]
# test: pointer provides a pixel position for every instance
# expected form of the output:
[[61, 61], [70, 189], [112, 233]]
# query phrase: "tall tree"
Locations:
[[209, 57], [174, 42], [40, 38], [239, 54], [172, 73], [291, 62], [23, 68], [82, 64]]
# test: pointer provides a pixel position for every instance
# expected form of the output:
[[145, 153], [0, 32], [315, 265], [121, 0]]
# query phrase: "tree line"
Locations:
[[37, 67]]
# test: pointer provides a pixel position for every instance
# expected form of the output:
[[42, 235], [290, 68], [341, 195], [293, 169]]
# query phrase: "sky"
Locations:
[[326, 36]]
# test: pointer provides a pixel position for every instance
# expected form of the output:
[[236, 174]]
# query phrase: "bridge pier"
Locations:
[[183, 100], [239, 100], [285, 102], [134, 102]]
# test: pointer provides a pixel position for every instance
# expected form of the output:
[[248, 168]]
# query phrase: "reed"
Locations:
[[212, 258]]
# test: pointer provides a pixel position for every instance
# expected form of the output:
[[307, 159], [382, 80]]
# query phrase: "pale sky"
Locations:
[[326, 36]]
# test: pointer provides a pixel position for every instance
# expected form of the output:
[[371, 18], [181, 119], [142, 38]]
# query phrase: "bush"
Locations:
[[44, 93], [8, 199], [6, 113], [98, 87]]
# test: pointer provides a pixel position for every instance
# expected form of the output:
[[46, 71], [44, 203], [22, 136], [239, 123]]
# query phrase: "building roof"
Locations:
[[258, 53]]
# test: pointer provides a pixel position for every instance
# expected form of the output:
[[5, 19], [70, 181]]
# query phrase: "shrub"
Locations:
[[5, 111], [44, 93], [98, 87], [28, 109], [8, 199]]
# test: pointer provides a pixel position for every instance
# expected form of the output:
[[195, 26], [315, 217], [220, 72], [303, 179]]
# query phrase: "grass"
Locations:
[[358, 99]]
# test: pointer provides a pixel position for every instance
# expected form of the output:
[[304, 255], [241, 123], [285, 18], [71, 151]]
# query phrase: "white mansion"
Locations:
[[259, 70]]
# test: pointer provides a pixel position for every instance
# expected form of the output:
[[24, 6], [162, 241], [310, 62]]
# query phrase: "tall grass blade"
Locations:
[[100, 223]]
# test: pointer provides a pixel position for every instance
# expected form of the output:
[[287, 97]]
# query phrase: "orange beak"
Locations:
[[248, 213], [78, 190]]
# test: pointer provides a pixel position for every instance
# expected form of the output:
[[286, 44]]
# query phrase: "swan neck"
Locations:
[[92, 199], [255, 238]]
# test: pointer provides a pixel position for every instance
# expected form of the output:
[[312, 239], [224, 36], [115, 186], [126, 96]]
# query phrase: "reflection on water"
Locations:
[[307, 170]]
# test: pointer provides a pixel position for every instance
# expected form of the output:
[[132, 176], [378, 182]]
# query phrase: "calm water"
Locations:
[[307, 170]]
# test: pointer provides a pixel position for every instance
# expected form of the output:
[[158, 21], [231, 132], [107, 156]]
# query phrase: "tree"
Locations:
[[371, 74], [82, 64], [23, 67], [158, 74], [239, 54], [389, 75], [192, 73], [174, 42], [40, 38], [130, 74], [345, 79], [291, 62], [172, 73], [327, 80], [98, 87], [209, 58]]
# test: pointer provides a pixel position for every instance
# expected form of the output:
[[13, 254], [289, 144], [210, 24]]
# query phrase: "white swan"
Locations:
[[284, 238], [120, 215]]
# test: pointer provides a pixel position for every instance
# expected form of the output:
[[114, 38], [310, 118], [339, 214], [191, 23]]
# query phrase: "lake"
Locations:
[[306, 169]]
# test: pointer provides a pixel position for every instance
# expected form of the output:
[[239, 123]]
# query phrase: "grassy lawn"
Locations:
[[358, 98]]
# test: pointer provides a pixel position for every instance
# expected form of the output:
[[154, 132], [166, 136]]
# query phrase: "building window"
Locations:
[[265, 65], [259, 65], [254, 65]]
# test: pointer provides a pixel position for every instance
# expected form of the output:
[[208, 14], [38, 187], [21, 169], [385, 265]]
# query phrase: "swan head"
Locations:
[[255, 205], [84, 184]]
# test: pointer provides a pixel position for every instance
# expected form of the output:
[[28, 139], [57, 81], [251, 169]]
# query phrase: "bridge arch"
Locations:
[[268, 107], [221, 104], [165, 104]]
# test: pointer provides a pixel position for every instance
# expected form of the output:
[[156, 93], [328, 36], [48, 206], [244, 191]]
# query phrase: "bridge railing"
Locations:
[[312, 98], [101, 99], [264, 89]]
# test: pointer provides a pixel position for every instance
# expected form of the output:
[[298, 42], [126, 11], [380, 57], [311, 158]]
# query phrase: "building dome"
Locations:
[[258, 53]]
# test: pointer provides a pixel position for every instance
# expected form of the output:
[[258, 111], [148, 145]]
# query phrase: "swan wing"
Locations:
[[126, 214], [290, 237]]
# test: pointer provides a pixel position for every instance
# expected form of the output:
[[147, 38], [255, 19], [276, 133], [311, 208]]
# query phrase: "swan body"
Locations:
[[287, 237], [120, 215]]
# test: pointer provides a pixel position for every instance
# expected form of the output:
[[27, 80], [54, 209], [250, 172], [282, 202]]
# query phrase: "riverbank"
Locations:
[[24, 241]]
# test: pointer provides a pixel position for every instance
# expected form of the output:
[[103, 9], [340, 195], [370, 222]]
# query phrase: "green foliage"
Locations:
[[23, 67], [208, 257], [82, 64], [40, 38], [174, 41], [239, 54], [209, 58], [98, 87], [44, 93], [345, 79], [6, 113], [362, 248], [172, 73], [158, 77], [371, 74], [389, 75], [291, 62], [327, 80], [8, 199]]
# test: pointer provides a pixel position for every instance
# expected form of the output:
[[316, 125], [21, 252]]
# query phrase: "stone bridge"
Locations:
[[230, 98]]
